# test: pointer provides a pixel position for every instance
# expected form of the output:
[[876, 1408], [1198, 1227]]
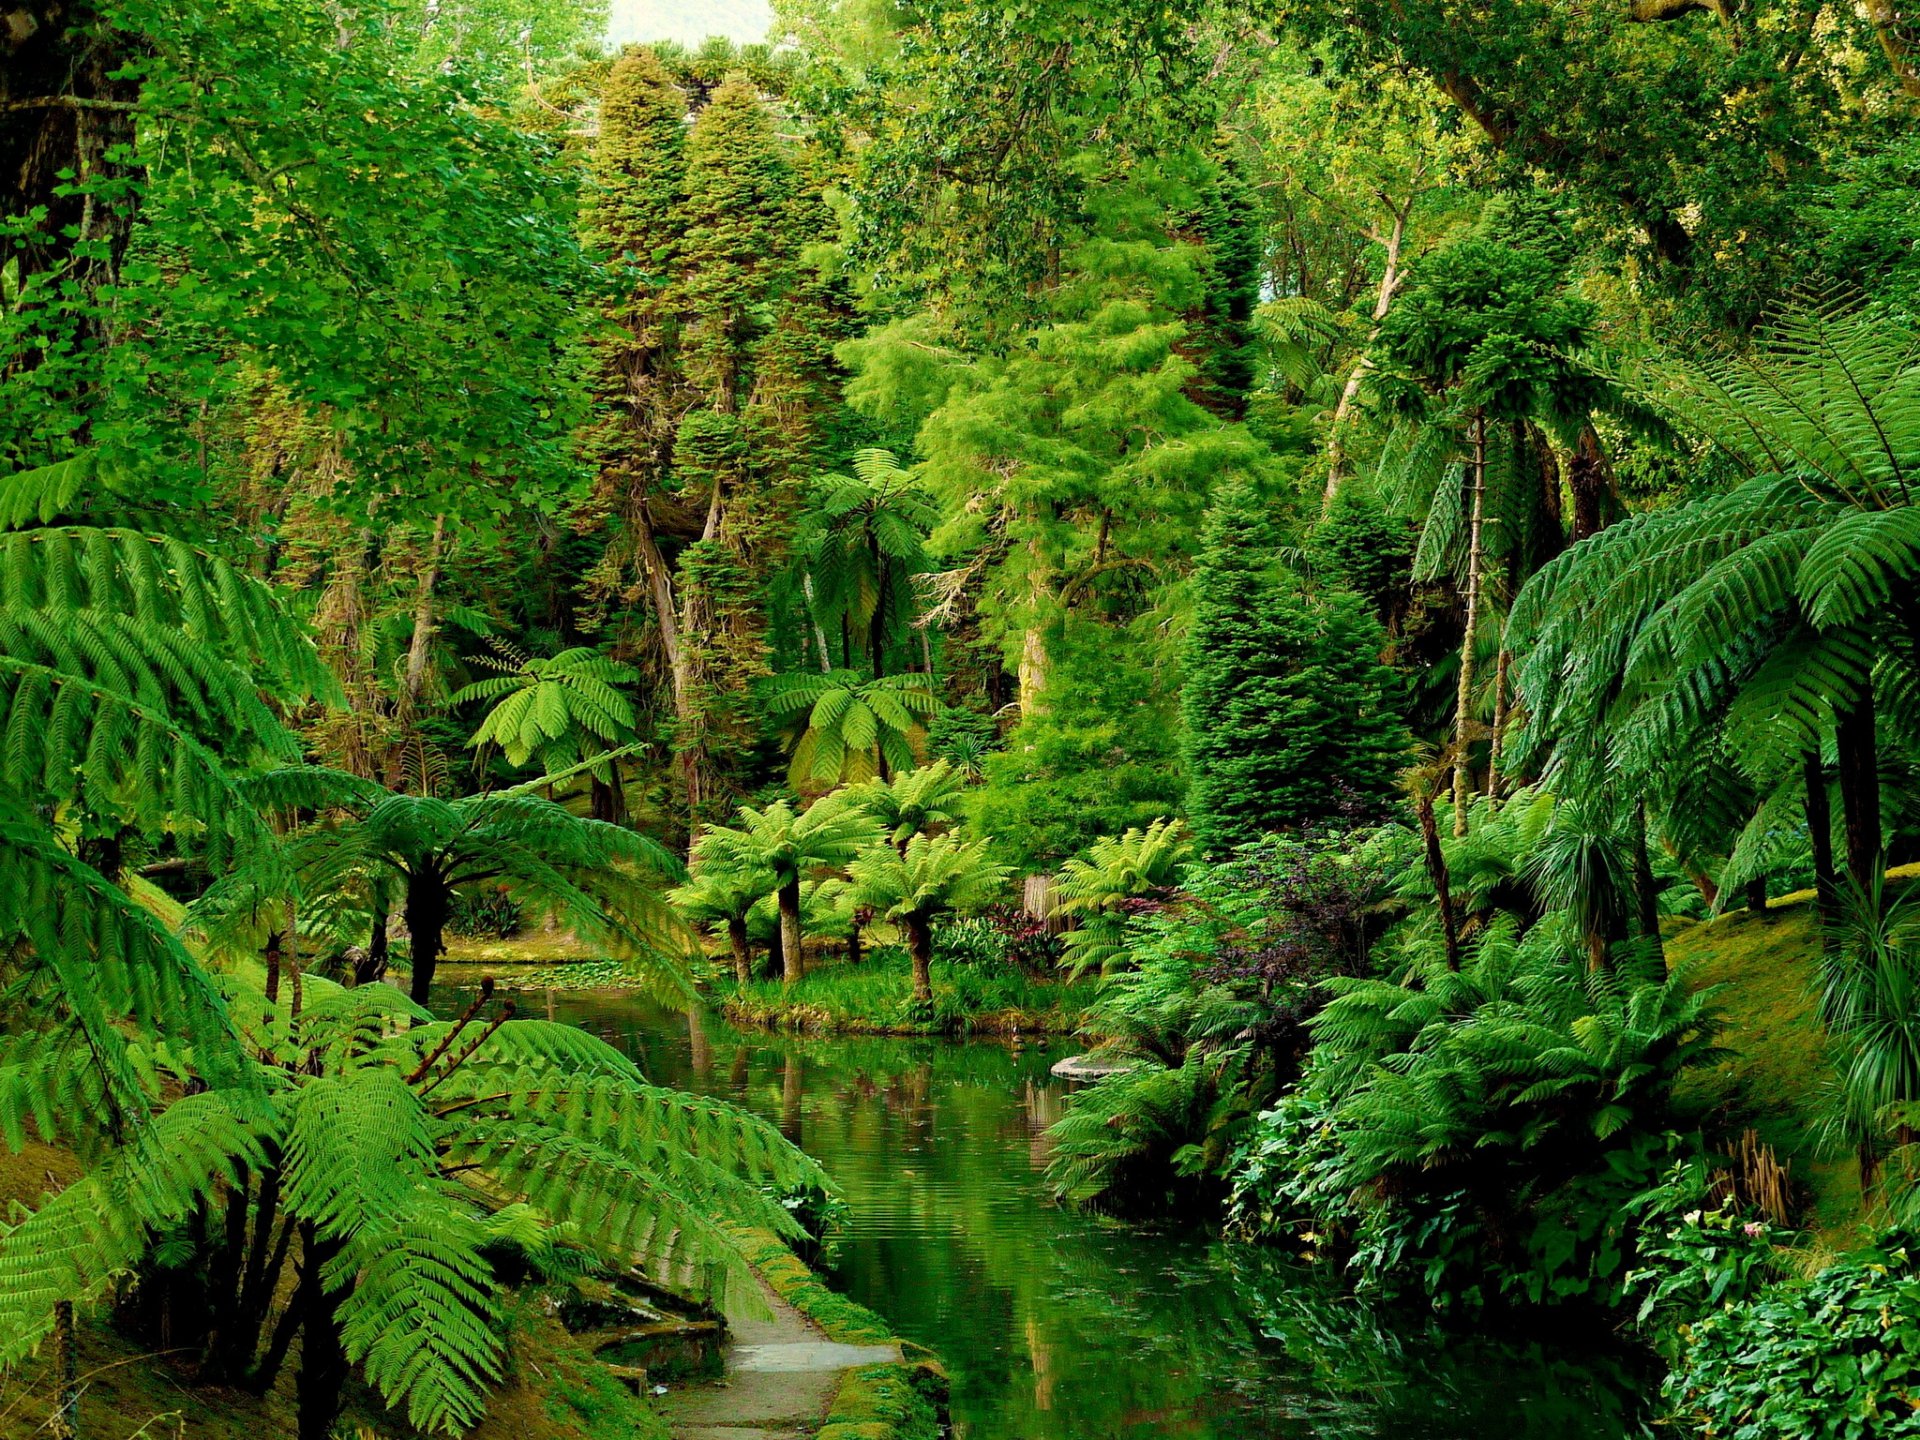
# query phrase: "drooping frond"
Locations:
[[72, 1247]]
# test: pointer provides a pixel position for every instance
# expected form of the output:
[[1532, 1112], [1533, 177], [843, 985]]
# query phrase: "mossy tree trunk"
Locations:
[[920, 947], [742, 952], [792, 958]]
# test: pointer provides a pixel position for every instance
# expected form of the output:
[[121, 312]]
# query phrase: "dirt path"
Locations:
[[782, 1374]]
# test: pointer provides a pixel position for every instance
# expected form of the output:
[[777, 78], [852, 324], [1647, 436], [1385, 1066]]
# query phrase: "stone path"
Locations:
[[782, 1374]]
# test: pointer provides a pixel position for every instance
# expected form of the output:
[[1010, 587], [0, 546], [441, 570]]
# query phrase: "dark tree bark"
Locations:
[[1826, 881], [61, 114], [1855, 743], [1645, 891], [368, 969], [1437, 873], [1587, 480], [323, 1358], [427, 906]]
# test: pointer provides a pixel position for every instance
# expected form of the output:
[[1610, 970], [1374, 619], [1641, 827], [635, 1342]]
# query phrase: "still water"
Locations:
[[1062, 1326]]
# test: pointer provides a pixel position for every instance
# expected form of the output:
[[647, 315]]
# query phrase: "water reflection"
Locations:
[[1062, 1326]]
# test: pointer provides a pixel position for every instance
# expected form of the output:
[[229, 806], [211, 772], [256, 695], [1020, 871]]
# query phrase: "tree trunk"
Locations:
[[608, 797], [1857, 750], [920, 947], [1437, 873], [1033, 641], [737, 943], [323, 1359], [64, 1423], [373, 965], [67, 127], [419, 648], [1383, 301], [1463, 708], [1756, 895], [1587, 479], [1819, 806], [1646, 893], [1893, 25], [877, 626], [792, 957], [426, 930], [813, 622], [679, 669], [1499, 722]]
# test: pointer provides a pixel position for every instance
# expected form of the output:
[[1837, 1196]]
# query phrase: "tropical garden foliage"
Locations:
[[1336, 533]]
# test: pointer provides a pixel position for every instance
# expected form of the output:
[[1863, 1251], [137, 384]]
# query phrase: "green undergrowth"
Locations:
[[874, 997], [1778, 1069], [555, 1390], [901, 1401]]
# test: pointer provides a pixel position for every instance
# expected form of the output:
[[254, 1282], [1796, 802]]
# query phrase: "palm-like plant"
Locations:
[[916, 884], [914, 802], [1870, 1001], [136, 672], [405, 1162], [1753, 630], [1095, 888], [604, 879], [791, 846], [724, 894], [558, 711], [863, 540], [844, 729]]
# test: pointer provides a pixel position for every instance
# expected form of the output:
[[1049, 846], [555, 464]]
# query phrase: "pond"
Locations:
[[1059, 1325]]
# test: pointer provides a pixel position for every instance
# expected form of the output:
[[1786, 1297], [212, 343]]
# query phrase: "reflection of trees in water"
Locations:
[[1066, 1327], [1394, 1372]]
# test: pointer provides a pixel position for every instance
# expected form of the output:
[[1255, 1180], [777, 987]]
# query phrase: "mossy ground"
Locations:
[[874, 997], [1778, 1071]]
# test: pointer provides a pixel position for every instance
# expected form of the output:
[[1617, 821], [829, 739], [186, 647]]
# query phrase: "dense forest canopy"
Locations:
[[1358, 515]]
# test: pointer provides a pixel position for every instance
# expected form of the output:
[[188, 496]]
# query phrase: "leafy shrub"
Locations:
[[486, 914], [1483, 1134], [1697, 1252], [1835, 1358]]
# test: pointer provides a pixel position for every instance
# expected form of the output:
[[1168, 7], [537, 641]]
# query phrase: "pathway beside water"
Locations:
[[781, 1376]]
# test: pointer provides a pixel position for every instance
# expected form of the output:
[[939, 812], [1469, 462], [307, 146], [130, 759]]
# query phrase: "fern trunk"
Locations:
[[1646, 892], [1855, 743], [1587, 480], [1463, 706], [792, 959], [427, 907], [1819, 807], [323, 1357], [374, 964], [64, 1423], [742, 954], [920, 948], [1437, 873]]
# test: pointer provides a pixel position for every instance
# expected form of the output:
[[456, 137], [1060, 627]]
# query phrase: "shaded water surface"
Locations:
[[1063, 1326]]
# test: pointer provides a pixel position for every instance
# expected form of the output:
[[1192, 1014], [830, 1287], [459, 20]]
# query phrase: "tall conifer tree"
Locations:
[[1286, 701]]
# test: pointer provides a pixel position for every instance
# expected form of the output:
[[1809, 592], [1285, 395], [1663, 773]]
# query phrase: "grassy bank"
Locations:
[[1779, 1068], [874, 997], [876, 1402]]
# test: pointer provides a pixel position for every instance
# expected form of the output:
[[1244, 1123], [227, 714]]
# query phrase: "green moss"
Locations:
[[1779, 1066]]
